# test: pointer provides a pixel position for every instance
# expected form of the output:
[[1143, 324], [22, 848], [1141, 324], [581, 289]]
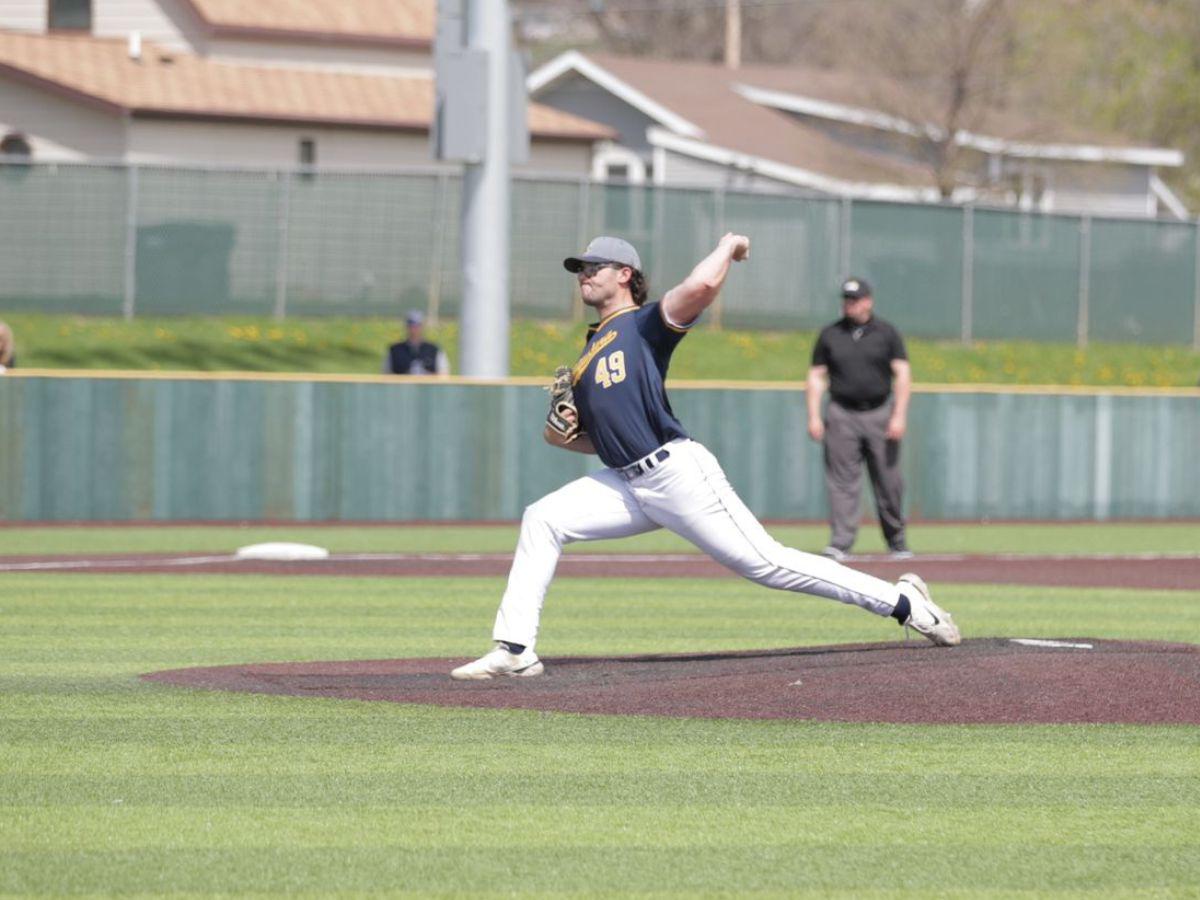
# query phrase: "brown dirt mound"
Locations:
[[991, 680]]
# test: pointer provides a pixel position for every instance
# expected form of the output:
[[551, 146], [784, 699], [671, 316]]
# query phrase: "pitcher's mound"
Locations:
[[991, 680]]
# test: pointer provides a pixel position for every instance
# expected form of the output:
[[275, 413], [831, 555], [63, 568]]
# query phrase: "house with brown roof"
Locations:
[[324, 83], [822, 133]]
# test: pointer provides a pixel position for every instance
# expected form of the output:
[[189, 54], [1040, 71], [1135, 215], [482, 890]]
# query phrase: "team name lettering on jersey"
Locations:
[[586, 359], [619, 385]]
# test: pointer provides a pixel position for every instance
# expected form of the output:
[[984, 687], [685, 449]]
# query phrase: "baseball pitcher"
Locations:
[[613, 403]]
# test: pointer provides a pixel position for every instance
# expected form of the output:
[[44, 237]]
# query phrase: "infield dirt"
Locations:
[[991, 680]]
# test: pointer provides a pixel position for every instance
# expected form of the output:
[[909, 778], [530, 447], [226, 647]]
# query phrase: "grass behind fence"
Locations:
[[357, 346]]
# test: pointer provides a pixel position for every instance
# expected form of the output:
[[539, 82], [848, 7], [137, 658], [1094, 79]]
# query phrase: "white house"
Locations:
[[266, 83], [807, 131]]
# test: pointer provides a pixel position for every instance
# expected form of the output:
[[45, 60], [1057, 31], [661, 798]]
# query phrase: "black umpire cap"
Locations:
[[855, 289]]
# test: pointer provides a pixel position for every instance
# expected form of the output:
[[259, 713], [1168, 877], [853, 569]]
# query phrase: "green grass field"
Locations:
[[109, 785], [356, 346]]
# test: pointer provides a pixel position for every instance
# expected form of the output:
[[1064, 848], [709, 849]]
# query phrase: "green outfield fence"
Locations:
[[102, 447], [152, 240]]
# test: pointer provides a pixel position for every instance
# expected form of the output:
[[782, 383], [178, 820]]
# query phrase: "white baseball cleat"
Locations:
[[499, 662], [925, 616]]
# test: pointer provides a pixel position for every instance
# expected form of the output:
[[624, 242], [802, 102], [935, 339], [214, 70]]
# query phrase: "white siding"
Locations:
[[371, 60], [685, 171], [153, 140], [58, 128], [170, 23], [23, 15], [559, 158], [1113, 190], [581, 97]]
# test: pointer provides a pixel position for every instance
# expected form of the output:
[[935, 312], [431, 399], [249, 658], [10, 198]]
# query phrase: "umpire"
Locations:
[[862, 361]]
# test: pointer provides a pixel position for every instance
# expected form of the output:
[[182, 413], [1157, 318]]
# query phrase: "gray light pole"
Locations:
[[484, 323], [479, 120]]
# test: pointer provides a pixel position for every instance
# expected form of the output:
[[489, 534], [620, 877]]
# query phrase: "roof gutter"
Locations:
[[853, 115], [259, 33]]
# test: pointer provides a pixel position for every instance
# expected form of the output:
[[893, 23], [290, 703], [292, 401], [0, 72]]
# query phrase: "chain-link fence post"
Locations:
[[582, 234], [131, 228], [968, 273], [1196, 288], [847, 210], [434, 301], [1085, 280], [281, 255], [719, 211]]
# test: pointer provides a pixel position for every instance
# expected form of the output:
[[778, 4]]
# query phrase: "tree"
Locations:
[[939, 65], [1126, 67]]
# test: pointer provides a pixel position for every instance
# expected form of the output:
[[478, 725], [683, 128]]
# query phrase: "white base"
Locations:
[[281, 550]]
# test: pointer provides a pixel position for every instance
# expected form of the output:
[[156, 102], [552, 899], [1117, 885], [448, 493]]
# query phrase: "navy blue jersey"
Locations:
[[619, 388]]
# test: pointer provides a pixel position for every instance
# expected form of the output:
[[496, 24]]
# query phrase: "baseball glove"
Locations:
[[563, 417]]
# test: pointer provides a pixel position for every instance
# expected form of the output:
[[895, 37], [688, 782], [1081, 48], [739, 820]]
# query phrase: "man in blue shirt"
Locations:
[[655, 475]]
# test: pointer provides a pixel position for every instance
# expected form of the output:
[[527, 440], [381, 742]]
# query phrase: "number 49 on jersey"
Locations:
[[611, 369]]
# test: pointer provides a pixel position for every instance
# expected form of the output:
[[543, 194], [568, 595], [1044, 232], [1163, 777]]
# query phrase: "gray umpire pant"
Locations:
[[852, 438]]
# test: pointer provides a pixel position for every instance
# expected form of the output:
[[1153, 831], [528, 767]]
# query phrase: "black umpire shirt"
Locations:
[[859, 359]]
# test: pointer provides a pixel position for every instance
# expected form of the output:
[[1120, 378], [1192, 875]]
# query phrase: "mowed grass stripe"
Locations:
[[310, 747], [192, 620], [418, 825], [901, 862], [264, 788]]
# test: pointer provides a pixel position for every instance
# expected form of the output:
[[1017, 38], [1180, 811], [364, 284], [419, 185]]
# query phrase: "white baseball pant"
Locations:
[[687, 493]]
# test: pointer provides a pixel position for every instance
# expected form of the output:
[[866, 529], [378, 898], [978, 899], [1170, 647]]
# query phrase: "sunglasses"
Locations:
[[587, 270]]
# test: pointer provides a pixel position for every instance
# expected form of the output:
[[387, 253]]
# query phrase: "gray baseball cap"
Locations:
[[605, 250]]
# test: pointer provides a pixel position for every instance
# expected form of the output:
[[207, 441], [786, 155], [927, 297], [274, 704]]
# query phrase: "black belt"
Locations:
[[860, 405], [643, 465]]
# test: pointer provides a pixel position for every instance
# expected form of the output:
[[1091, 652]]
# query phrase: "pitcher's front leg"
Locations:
[[596, 507]]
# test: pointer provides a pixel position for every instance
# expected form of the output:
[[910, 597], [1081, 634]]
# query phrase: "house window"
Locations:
[[70, 15], [308, 153], [15, 147], [617, 173], [15, 154]]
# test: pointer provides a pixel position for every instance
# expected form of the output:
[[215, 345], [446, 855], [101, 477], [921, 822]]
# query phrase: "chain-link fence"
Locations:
[[152, 240]]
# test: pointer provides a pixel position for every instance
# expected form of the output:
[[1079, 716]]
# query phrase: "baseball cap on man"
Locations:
[[855, 289], [415, 317], [605, 250]]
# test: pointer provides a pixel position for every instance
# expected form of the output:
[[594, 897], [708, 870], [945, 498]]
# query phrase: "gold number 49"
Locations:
[[611, 369]]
